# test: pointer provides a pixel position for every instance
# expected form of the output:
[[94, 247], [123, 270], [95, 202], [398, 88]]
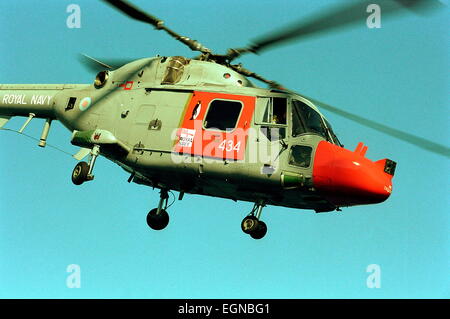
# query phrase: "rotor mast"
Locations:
[[206, 54]]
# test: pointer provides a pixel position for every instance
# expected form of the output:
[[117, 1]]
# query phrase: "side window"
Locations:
[[275, 112], [222, 115], [274, 115], [300, 156], [279, 108]]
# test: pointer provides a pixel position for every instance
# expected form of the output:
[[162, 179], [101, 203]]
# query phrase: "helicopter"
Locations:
[[201, 126]]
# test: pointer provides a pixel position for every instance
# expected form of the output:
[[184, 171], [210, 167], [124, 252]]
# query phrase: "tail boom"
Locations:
[[23, 99]]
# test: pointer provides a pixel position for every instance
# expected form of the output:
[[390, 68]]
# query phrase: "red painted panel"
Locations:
[[128, 85], [347, 178], [193, 139]]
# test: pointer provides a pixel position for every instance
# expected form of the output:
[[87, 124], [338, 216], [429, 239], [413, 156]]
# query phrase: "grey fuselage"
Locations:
[[143, 106]]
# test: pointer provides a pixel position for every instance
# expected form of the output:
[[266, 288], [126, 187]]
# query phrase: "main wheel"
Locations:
[[157, 221], [260, 231], [249, 224], [80, 173]]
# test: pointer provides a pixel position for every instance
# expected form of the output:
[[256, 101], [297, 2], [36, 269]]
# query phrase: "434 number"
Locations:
[[228, 145]]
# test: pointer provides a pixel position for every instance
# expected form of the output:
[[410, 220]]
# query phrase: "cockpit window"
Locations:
[[333, 136], [306, 119], [297, 124], [223, 115], [300, 156]]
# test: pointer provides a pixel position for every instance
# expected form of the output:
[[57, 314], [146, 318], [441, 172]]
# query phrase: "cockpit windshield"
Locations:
[[333, 136], [305, 119]]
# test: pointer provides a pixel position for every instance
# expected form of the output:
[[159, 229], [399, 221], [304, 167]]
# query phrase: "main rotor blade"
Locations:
[[406, 137], [137, 14], [333, 19]]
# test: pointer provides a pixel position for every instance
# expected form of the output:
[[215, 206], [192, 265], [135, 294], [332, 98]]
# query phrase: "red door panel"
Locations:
[[194, 139]]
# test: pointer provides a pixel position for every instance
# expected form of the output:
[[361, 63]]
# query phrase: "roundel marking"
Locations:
[[85, 103]]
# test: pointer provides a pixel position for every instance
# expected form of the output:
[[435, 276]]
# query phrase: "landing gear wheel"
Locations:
[[157, 221], [80, 173], [249, 224], [260, 231]]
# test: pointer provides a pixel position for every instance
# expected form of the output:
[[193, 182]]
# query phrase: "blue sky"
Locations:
[[397, 75]]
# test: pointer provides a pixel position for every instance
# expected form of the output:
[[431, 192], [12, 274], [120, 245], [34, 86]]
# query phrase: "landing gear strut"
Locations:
[[158, 218], [252, 224], [83, 171]]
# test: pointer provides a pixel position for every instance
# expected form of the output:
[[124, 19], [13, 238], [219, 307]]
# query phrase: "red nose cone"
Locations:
[[347, 178]]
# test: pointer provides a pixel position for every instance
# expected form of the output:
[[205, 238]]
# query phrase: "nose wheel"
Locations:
[[252, 225], [158, 218]]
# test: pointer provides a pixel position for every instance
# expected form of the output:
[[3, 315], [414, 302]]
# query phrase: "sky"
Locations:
[[396, 75]]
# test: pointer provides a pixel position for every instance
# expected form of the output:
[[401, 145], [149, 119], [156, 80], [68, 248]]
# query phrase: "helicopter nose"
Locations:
[[347, 178]]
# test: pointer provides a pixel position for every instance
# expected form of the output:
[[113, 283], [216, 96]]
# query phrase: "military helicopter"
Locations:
[[201, 126]]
